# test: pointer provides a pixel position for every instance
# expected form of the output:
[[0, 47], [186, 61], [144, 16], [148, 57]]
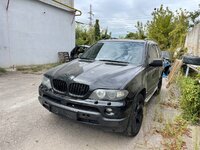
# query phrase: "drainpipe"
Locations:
[[8, 2], [74, 9]]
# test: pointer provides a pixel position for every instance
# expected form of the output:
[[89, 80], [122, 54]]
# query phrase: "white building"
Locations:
[[34, 31]]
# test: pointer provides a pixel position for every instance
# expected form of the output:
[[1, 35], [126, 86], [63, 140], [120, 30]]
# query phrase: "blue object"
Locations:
[[166, 65]]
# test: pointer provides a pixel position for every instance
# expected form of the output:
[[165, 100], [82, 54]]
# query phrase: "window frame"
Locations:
[[155, 47]]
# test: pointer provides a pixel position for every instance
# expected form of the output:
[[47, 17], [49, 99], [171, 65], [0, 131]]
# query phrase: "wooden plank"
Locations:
[[175, 68]]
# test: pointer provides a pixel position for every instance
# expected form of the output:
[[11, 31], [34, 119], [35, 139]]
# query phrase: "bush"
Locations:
[[190, 99], [2, 70]]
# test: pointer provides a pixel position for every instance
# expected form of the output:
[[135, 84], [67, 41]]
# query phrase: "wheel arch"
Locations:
[[142, 91]]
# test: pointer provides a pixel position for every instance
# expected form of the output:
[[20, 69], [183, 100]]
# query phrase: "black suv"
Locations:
[[107, 86]]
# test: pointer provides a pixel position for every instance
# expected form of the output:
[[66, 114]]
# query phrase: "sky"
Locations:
[[120, 16]]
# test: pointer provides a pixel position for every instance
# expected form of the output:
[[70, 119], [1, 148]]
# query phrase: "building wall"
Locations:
[[193, 41], [32, 32]]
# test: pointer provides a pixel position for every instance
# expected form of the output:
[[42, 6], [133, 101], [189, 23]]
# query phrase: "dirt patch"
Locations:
[[36, 69]]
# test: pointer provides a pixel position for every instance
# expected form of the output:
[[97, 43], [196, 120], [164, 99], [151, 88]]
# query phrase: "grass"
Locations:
[[170, 105], [189, 99], [2, 70], [173, 134], [36, 68], [158, 116]]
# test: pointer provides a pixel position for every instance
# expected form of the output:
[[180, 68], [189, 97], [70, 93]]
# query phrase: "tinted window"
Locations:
[[131, 52]]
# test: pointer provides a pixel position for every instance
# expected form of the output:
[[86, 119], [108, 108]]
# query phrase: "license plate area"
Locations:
[[66, 113]]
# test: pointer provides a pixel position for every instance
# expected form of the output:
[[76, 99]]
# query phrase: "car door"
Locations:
[[153, 73]]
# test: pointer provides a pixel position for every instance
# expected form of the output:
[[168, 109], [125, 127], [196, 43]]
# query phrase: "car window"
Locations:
[[153, 53], [158, 51], [131, 52]]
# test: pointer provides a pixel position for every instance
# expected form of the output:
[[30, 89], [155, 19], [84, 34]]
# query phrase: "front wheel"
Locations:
[[136, 117]]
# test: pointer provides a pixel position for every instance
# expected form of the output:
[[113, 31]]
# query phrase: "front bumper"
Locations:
[[88, 111]]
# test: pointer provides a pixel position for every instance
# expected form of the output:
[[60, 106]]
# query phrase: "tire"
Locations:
[[159, 87], [136, 117], [194, 60]]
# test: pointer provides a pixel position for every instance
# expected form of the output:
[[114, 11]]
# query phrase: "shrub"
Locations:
[[190, 99], [2, 70], [173, 133]]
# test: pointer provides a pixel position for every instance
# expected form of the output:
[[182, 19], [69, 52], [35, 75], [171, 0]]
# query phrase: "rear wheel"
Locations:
[[136, 117]]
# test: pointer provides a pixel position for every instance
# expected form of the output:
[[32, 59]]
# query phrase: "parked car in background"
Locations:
[[107, 86], [77, 51], [166, 55], [167, 60]]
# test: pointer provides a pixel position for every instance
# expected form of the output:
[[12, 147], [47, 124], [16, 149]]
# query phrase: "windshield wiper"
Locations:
[[114, 61], [86, 59]]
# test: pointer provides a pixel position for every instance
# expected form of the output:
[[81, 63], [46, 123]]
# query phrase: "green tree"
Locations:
[[160, 27], [91, 36], [140, 30], [167, 28], [131, 35], [105, 35], [81, 35], [139, 34], [181, 25], [88, 36], [97, 30]]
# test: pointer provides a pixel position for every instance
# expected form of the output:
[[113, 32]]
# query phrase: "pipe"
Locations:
[[75, 10], [7, 6]]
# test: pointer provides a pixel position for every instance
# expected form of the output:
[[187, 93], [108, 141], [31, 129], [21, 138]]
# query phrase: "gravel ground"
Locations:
[[25, 124]]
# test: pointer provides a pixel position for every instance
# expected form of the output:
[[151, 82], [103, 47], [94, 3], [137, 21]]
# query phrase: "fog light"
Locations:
[[109, 111]]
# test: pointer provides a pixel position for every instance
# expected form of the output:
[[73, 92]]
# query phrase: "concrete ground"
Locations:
[[25, 124]]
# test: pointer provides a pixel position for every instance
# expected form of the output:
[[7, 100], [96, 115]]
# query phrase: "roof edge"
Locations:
[[52, 3]]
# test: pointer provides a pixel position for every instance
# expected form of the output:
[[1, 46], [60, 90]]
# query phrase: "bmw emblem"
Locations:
[[71, 77]]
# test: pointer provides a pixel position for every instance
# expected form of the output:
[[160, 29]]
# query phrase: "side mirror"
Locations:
[[156, 63]]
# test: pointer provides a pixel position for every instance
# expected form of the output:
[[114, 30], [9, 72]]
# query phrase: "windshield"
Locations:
[[129, 52]]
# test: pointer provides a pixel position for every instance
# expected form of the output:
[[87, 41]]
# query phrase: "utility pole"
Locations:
[[91, 16]]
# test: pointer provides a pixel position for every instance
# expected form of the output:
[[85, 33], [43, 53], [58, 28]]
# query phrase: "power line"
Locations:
[[126, 19]]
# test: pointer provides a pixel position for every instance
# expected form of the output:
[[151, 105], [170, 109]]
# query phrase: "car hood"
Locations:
[[96, 74]]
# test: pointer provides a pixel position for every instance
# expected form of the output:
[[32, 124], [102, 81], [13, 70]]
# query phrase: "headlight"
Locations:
[[108, 94], [46, 82]]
